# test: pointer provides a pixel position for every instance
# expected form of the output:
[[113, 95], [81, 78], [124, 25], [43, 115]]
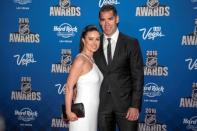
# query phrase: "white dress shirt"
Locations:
[[114, 39]]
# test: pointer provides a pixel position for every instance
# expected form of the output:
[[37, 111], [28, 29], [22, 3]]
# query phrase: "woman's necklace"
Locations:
[[90, 58]]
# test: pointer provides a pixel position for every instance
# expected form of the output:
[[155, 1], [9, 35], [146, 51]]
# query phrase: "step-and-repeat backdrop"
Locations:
[[40, 38]]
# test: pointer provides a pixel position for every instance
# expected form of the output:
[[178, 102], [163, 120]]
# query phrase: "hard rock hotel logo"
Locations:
[[106, 2], [153, 8], [24, 35], [152, 68], [190, 39], [65, 9], [190, 101], [26, 92], [22, 4], [150, 122], [65, 31], [66, 61], [25, 59], [191, 123], [194, 4], [26, 114], [152, 91]]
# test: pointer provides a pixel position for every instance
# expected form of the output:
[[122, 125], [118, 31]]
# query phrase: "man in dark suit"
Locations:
[[120, 60]]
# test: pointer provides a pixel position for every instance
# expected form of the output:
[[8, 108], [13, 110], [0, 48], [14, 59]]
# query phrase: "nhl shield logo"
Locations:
[[64, 3], [194, 94], [152, 3], [24, 29], [66, 58], [26, 87], [151, 62], [150, 119], [195, 27], [195, 30]]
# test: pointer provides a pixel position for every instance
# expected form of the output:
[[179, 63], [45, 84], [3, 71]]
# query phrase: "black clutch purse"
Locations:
[[77, 108]]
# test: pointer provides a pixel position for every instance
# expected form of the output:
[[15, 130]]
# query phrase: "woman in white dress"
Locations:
[[87, 77]]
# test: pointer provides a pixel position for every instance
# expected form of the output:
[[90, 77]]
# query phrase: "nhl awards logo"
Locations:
[[153, 8], [59, 122], [65, 9], [190, 102], [152, 68], [65, 65], [190, 39], [26, 92], [24, 35], [150, 122]]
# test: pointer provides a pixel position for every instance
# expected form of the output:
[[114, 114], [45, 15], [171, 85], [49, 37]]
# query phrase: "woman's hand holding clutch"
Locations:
[[72, 116]]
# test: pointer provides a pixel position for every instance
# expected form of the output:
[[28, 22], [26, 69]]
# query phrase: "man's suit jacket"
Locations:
[[124, 76]]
